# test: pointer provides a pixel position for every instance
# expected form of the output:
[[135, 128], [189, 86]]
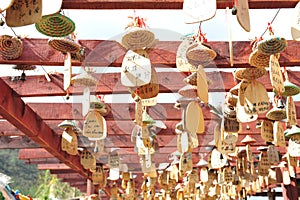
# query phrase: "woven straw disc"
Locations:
[[272, 45], [276, 114], [250, 73], [84, 79], [138, 38], [259, 59], [10, 47], [200, 54], [24, 67], [55, 25], [64, 45], [290, 89]]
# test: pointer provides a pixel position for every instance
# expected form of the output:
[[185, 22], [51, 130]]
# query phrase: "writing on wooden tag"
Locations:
[[113, 159], [98, 176], [273, 155], [266, 131], [23, 12], [228, 175], [231, 125], [294, 145], [241, 92], [182, 63], [94, 126], [87, 159], [276, 75], [291, 111], [136, 70], [151, 89], [279, 139]]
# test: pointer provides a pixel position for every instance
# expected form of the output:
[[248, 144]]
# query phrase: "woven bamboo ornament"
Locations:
[[256, 98], [10, 47], [68, 124], [64, 45], [278, 132], [94, 126], [259, 59], [87, 160], [272, 45], [194, 120], [290, 89], [84, 79], [295, 130], [295, 27], [266, 131], [55, 25], [276, 114], [199, 10], [69, 141], [22, 13], [202, 86], [250, 73], [182, 63], [199, 54], [243, 14]]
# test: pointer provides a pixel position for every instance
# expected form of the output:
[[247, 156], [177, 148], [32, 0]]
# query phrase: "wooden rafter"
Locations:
[[110, 83], [165, 4], [111, 53], [26, 120]]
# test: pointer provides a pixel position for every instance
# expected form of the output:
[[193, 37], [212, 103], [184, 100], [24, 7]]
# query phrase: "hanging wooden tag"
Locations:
[[66, 139], [202, 86], [256, 98], [94, 126], [217, 159], [199, 10], [292, 161], [231, 125], [67, 71], [226, 148], [295, 26], [273, 155], [5, 4], [242, 116], [85, 101], [193, 117], [98, 176], [151, 89], [230, 138], [276, 75], [114, 174], [249, 153], [264, 160], [243, 14], [113, 159], [87, 159], [182, 63], [228, 175], [291, 111], [279, 139], [203, 174], [266, 131], [23, 12], [193, 138], [51, 7], [184, 142], [185, 163], [72, 146], [241, 92], [294, 145], [136, 70]]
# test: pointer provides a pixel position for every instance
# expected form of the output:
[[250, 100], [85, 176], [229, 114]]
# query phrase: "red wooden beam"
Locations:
[[18, 142], [111, 53], [26, 120], [110, 83], [165, 4], [59, 166]]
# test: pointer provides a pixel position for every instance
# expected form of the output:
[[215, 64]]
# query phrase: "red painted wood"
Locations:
[[165, 4]]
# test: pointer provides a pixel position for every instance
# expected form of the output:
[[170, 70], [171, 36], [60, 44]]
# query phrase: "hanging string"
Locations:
[[269, 24]]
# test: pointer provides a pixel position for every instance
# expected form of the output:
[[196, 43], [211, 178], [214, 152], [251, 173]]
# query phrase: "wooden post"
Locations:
[[89, 187]]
